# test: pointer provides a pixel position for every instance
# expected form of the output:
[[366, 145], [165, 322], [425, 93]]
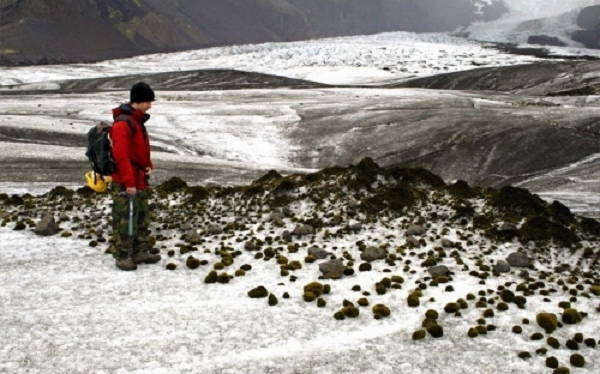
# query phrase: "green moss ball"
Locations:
[[436, 331], [171, 266], [552, 362], [419, 335], [577, 360], [547, 321], [432, 314]]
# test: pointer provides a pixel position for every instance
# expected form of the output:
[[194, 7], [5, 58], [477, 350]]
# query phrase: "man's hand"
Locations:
[[131, 191], [148, 170]]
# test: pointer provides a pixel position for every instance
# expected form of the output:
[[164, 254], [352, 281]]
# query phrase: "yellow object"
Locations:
[[97, 182]]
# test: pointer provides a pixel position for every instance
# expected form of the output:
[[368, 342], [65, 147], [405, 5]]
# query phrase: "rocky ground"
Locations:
[[468, 263]]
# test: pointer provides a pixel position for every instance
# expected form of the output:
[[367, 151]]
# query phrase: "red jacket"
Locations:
[[131, 151]]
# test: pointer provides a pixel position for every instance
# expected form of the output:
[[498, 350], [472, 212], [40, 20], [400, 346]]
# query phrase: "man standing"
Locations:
[[131, 152]]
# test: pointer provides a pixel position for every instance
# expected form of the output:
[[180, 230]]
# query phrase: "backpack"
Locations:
[[99, 148]]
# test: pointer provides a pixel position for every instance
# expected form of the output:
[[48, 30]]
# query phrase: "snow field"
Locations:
[[68, 309]]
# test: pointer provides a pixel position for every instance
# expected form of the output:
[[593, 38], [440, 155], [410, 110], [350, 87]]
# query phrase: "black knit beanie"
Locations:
[[141, 93]]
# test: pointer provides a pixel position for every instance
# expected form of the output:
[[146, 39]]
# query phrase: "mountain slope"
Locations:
[[56, 30]]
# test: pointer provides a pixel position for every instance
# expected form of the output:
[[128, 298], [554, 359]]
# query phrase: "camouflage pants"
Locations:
[[122, 241]]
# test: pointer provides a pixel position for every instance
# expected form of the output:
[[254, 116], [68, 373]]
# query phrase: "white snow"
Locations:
[[67, 309], [347, 60]]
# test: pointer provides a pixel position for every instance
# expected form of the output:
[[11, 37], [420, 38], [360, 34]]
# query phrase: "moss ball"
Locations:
[[218, 266], [419, 334], [351, 311], [541, 351], [432, 314], [273, 300], [315, 288], [413, 301], [572, 345], [246, 267], [398, 279], [552, 362], [578, 337], [435, 331], [481, 330], [321, 303], [472, 333], [257, 292], [212, 278], [339, 316], [192, 263], [365, 267], [240, 273], [223, 278], [577, 360], [286, 295], [571, 316], [488, 313], [382, 310], [363, 301], [520, 301], [451, 308], [590, 342], [326, 289], [502, 306], [426, 322], [309, 297], [553, 342], [517, 329], [171, 253], [507, 296], [547, 321], [524, 355], [536, 336], [564, 305], [171, 266], [562, 370]]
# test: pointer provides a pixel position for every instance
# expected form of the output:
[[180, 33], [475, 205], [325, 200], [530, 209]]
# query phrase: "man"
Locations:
[[131, 152]]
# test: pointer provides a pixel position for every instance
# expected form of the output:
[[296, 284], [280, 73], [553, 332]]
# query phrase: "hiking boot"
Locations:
[[126, 264], [145, 257]]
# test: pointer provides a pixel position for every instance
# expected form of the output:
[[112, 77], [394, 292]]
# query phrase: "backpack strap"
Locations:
[[126, 118]]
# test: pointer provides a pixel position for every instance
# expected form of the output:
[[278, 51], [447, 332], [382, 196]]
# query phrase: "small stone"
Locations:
[[501, 266], [518, 259], [373, 253], [436, 271]]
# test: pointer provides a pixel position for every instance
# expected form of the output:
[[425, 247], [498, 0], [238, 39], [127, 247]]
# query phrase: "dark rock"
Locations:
[[436, 271], [501, 266], [373, 253], [47, 226], [318, 253], [415, 230], [215, 229], [518, 259], [333, 269], [411, 240], [302, 230]]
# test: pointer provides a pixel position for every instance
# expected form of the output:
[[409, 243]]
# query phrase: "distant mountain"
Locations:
[[47, 31]]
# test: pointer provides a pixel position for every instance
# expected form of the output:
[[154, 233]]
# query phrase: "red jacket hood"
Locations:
[[126, 109]]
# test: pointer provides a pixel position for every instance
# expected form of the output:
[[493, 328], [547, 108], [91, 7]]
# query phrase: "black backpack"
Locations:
[[99, 148]]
